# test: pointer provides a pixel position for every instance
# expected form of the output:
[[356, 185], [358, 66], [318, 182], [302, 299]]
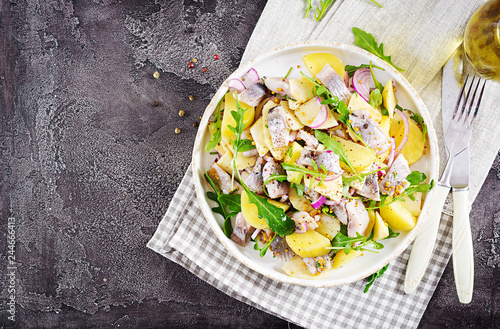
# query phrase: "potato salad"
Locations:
[[316, 169]]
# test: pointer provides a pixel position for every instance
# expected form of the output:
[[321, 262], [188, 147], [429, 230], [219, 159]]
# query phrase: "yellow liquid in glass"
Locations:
[[482, 40]]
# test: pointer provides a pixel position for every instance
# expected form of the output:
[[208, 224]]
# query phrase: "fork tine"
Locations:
[[478, 101], [470, 109], [457, 106], [466, 106]]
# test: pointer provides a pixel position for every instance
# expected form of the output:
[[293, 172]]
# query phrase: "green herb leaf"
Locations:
[[371, 279], [279, 178], [275, 217], [314, 174], [232, 201], [334, 146], [299, 188], [220, 209], [321, 10], [341, 241], [375, 98], [378, 85], [290, 70], [351, 68], [264, 249], [367, 41], [215, 129], [308, 7], [376, 3], [416, 177], [344, 114], [319, 90]]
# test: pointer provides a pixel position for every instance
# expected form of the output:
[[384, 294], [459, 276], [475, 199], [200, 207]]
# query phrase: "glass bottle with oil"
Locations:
[[482, 40]]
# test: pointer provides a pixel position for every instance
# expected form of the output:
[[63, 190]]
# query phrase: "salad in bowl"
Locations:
[[315, 168]]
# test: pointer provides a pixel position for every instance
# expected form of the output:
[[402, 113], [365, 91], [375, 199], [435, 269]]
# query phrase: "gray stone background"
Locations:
[[88, 165]]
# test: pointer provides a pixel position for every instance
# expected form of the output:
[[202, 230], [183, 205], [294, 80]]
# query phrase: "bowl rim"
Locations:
[[231, 246]]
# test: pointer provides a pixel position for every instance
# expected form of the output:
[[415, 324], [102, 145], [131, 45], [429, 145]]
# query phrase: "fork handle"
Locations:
[[463, 254], [424, 243]]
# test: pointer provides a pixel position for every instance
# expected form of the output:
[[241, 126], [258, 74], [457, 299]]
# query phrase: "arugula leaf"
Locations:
[[326, 210], [375, 98], [279, 178], [220, 209], [314, 174], [334, 146], [412, 189], [378, 85], [275, 217], [264, 249], [215, 130], [232, 201], [308, 7], [367, 41], [416, 177], [344, 114], [361, 176], [321, 91], [371, 279], [351, 68], [376, 3], [341, 241], [417, 118], [299, 188], [320, 11]]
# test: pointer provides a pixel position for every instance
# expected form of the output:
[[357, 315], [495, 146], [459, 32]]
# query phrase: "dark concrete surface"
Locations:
[[88, 166]]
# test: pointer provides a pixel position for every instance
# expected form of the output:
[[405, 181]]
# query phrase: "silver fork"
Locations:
[[457, 175]]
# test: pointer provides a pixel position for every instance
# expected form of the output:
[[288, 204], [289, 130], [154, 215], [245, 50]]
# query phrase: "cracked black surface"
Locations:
[[88, 165]]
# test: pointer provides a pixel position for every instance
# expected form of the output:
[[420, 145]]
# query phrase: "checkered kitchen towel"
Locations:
[[432, 29]]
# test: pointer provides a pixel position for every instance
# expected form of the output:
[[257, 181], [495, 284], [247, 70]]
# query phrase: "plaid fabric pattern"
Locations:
[[191, 243]]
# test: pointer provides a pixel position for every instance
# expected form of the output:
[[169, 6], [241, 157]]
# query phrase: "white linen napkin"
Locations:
[[420, 36]]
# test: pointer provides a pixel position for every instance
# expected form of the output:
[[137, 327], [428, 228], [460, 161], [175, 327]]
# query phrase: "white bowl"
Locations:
[[277, 63]]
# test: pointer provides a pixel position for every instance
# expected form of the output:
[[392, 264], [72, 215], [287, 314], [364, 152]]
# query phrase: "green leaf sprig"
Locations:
[[315, 173], [367, 41], [308, 7], [342, 241], [334, 146], [228, 205], [321, 10], [215, 129], [275, 217], [263, 250], [321, 91], [371, 279]]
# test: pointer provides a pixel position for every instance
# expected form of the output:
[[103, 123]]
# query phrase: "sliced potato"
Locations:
[[297, 269], [331, 189], [251, 213], [414, 147], [396, 124], [414, 205], [359, 156], [299, 203], [341, 258], [228, 120], [257, 131], [301, 89], [291, 119], [398, 217], [380, 229], [385, 125], [315, 63], [309, 111], [308, 244], [328, 226], [388, 98], [226, 162], [357, 102]]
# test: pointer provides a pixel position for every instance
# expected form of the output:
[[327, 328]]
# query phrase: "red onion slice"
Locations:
[[321, 116], [250, 77], [384, 149], [318, 203], [362, 82], [406, 132], [236, 84]]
